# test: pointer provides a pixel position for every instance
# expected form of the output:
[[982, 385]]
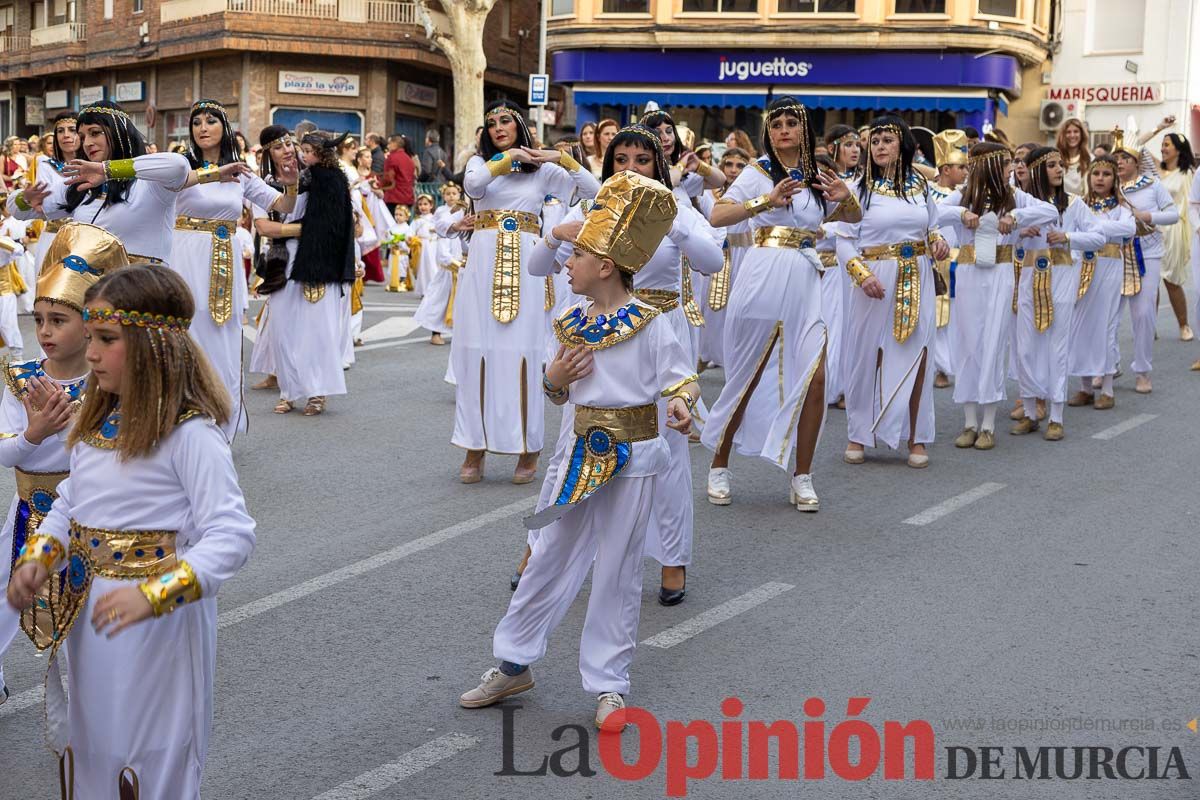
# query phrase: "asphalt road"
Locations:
[[1038, 595]]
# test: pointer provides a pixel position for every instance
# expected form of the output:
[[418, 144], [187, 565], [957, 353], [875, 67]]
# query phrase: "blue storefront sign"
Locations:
[[964, 83]]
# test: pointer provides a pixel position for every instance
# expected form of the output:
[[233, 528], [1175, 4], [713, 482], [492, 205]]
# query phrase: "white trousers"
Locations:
[[608, 529], [1143, 313]]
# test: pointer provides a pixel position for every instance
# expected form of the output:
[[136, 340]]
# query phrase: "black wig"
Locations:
[[901, 172], [267, 137], [789, 106], [488, 149], [1039, 178], [230, 152], [654, 120], [62, 116], [125, 141], [645, 139]]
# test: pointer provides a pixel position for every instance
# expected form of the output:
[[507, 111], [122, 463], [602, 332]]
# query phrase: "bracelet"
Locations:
[[121, 170], [688, 400], [551, 391], [568, 162], [704, 169], [858, 271], [757, 205], [290, 230], [172, 589], [209, 174], [41, 549], [291, 189]]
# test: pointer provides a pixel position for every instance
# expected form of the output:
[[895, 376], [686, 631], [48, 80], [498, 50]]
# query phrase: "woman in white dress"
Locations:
[[1097, 311], [1176, 170], [984, 284], [500, 331], [203, 252], [48, 178], [716, 289], [777, 310], [1073, 142], [890, 323], [149, 525]]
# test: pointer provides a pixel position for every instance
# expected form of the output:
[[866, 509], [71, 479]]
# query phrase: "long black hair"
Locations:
[[653, 120], [645, 139], [487, 148], [791, 107], [125, 141], [1187, 159], [72, 116], [230, 152], [1039, 178], [900, 173], [267, 137], [837, 138]]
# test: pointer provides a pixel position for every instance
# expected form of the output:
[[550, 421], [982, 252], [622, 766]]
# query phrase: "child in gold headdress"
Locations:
[[616, 358]]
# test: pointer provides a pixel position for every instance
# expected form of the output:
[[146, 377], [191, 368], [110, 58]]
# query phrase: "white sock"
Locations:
[[1085, 384], [989, 416], [1107, 386], [1030, 406], [971, 410], [1056, 413]]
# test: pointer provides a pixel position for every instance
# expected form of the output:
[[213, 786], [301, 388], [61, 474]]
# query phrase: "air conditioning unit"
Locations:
[[1054, 112]]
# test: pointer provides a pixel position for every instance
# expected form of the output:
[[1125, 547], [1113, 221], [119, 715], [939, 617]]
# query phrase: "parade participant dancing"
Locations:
[[49, 179], [777, 309], [436, 311], [1101, 275], [984, 285], [1153, 209], [203, 247], [889, 256], [152, 480], [1048, 290], [717, 288], [613, 372], [950, 154], [500, 335]]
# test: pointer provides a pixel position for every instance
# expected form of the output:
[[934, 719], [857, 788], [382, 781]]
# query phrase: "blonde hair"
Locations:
[[166, 373]]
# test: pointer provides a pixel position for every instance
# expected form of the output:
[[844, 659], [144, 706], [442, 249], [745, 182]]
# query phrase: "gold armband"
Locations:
[[122, 170], [847, 211], [703, 169], [41, 549], [209, 174], [289, 230], [567, 162], [171, 589], [500, 164], [757, 205], [676, 388], [858, 271], [291, 189], [19, 202]]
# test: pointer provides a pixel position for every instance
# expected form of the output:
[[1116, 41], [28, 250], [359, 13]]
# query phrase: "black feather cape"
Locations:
[[326, 250]]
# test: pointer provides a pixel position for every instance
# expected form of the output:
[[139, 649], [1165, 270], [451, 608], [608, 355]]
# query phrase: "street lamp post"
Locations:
[[541, 124]]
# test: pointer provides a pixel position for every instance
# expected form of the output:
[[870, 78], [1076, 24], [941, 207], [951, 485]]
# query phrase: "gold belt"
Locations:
[[966, 254], [1131, 280], [39, 490], [6, 281], [54, 225], [893, 252], [739, 239], [1056, 256], [220, 274], [828, 260], [29, 483], [908, 283], [663, 299], [506, 272], [718, 285], [783, 236], [632, 424], [1042, 262], [1087, 267]]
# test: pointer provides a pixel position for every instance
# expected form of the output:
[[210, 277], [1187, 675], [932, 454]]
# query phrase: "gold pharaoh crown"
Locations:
[[628, 220], [1119, 145], [950, 147], [80, 255]]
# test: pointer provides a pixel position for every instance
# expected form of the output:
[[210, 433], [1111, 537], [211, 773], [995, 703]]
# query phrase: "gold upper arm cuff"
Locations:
[[675, 388], [500, 166], [122, 170], [847, 211], [172, 589], [567, 162], [758, 204]]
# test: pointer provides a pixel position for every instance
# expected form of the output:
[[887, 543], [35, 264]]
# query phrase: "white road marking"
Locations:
[[389, 328], [396, 343], [314, 585], [715, 616], [250, 333], [1121, 427], [409, 764], [954, 504]]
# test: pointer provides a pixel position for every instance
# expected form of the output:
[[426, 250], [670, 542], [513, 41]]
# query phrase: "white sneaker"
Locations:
[[804, 497], [608, 703], [494, 686], [720, 493]]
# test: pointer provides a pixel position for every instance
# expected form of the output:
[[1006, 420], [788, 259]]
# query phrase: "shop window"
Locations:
[[816, 6], [626, 6], [999, 8], [920, 6], [37, 15], [562, 8], [719, 6], [1116, 26], [139, 6]]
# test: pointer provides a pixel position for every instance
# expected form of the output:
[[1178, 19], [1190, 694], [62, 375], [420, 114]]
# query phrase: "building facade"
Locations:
[[346, 65], [1128, 61], [937, 62]]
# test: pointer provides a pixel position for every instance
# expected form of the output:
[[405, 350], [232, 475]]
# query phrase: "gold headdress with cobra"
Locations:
[[80, 256], [628, 220], [950, 148]]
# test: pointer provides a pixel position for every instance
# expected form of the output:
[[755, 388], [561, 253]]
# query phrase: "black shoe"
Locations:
[[673, 597], [514, 581]]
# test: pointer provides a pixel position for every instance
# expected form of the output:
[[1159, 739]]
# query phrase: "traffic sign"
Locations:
[[539, 89]]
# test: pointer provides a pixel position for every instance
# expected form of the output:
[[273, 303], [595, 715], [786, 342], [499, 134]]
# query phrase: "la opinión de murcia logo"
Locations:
[[778, 67], [734, 749]]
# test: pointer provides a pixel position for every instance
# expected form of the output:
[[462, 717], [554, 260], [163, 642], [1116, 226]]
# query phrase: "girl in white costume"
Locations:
[[399, 242], [1102, 271], [716, 289], [11, 284], [1048, 292], [203, 251], [777, 311], [983, 294], [149, 524], [436, 311], [950, 156], [500, 330], [424, 269], [889, 256], [613, 372], [48, 178], [1154, 210], [1176, 170]]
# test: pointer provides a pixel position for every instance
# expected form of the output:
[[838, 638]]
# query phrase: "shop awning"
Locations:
[[815, 97]]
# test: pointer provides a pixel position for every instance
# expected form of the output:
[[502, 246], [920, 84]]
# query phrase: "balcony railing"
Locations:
[[396, 12], [13, 44], [58, 34]]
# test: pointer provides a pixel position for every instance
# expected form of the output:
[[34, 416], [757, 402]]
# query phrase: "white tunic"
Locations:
[[447, 248], [426, 269], [1096, 319], [144, 698], [145, 222]]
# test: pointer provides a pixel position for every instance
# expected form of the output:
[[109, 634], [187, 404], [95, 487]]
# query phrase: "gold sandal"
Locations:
[[283, 406], [315, 406]]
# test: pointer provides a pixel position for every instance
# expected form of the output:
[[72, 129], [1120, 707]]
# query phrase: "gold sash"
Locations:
[[691, 309], [908, 283], [220, 274], [548, 304], [506, 272], [39, 490], [1131, 282], [739, 239], [632, 424], [1042, 262], [718, 285], [1088, 266], [453, 267], [966, 254]]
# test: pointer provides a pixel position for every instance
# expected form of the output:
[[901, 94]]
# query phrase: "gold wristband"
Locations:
[[858, 271], [289, 230], [703, 169], [209, 174], [847, 211], [757, 205], [291, 189], [500, 164], [122, 170], [568, 162], [41, 549], [678, 387], [687, 399], [19, 202], [171, 589]]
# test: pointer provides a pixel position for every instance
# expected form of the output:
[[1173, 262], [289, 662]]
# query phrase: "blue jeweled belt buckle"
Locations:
[[509, 224], [1020, 253], [598, 441], [222, 232], [41, 501], [807, 243], [1043, 264], [1089, 255], [906, 251]]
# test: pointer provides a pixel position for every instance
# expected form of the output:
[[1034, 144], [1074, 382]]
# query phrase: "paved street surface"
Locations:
[[1047, 589]]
